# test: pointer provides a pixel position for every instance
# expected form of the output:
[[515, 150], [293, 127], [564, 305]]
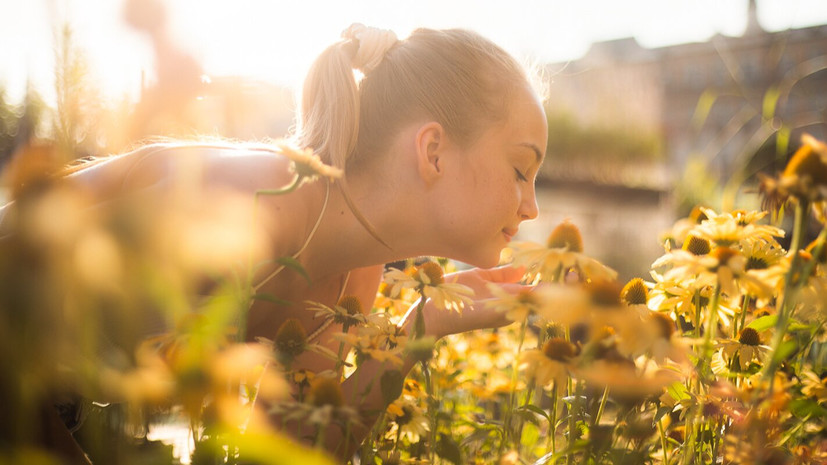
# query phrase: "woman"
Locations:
[[439, 142]]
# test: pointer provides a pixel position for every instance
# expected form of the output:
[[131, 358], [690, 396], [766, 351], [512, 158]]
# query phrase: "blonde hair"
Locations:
[[455, 77]]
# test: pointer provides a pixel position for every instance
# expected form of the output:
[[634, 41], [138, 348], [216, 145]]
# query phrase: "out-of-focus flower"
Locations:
[[747, 348], [519, 306], [291, 338], [813, 385], [324, 404], [624, 379], [677, 235], [562, 252], [370, 344], [723, 266], [306, 164], [804, 178], [429, 278], [409, 420], [396, 306], [348, 312], [550, 363], [735, 229]]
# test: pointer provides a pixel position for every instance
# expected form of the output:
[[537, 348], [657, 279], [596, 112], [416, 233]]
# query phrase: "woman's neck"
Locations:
[[343, 243]]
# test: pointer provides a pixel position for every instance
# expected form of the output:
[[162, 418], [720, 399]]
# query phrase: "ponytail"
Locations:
[[329, 112]]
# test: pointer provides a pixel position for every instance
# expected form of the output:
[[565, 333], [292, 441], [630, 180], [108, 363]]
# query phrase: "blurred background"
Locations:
[[653, 106]]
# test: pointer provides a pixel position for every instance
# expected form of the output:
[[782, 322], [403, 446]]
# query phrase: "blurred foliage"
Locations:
[[570, 140], [20, 122]]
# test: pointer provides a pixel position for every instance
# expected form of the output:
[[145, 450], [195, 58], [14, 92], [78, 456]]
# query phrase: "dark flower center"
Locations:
[[635, 292], [291, 337], [696, 245], [749, 337], [326, 391], [559, 349], [351, 304], [567, 235], [604, 293], [434, 273]]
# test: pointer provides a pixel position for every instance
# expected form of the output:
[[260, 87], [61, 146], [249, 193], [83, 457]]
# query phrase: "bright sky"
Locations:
[[276, 40]]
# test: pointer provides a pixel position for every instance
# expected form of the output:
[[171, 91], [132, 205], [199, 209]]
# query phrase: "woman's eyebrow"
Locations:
[[533, 147]]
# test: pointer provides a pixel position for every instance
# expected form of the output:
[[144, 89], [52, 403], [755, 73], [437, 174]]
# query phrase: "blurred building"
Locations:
[[719, 111]]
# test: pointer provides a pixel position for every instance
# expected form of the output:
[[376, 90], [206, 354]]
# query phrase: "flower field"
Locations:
[[714, 355]]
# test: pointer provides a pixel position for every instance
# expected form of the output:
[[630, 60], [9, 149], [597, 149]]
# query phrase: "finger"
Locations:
[[504, 274]]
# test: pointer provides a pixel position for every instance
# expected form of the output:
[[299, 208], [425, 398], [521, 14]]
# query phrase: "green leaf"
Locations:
[[534, 409], [803, 408], [449, 450], [763, 323], [770, 101], [785, 350], [271, 298], [294, 265], [678, 391], [530, 435], [662, 411]]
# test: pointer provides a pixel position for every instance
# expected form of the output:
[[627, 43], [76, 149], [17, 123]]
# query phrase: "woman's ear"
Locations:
[[430, 145]]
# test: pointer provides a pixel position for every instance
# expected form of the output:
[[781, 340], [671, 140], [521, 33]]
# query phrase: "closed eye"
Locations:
[[520, 175]]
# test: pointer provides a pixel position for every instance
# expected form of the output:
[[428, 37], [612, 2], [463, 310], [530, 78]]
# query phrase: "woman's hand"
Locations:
[[440, 323]]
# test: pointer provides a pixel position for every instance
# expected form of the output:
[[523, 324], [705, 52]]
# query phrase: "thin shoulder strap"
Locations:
[[306, 242]]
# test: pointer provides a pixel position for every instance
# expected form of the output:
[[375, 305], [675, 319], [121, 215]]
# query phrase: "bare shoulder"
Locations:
[[236, 167]]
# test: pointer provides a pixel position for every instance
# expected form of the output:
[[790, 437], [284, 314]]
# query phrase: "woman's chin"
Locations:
[[489, 260]]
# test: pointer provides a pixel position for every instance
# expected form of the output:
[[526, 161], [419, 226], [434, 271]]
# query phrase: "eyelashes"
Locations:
[[520, 175]]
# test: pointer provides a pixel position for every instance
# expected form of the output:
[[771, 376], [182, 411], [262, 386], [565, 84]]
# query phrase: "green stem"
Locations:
[[294, 184], [792, 285], [736, 326], [602, 406], [511, 395], [552, 422], [433, 410], [340, 362], [663, 442], [709, 336]]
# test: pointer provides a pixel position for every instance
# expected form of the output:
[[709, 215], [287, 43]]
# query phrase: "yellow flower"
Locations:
[[736, 228], [813, 386], [348, 312], [723, 266], [562, 253], [517, 307], [804, 179], [369, 343], [550, 363], [747, 347], [409, 421], [428, 278], [623, 378], [306, 164]]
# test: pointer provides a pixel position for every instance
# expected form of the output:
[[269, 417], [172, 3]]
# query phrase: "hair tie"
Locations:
[[373, 44]]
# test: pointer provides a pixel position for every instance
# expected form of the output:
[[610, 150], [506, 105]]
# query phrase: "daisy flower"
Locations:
[[368, 343], [519, 306], [747, 348], [409, 420], [306, 164], [562, 252], [348, 312], [738, 227], [550, 363], [429, 279], [814, 386], [804, 177]]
